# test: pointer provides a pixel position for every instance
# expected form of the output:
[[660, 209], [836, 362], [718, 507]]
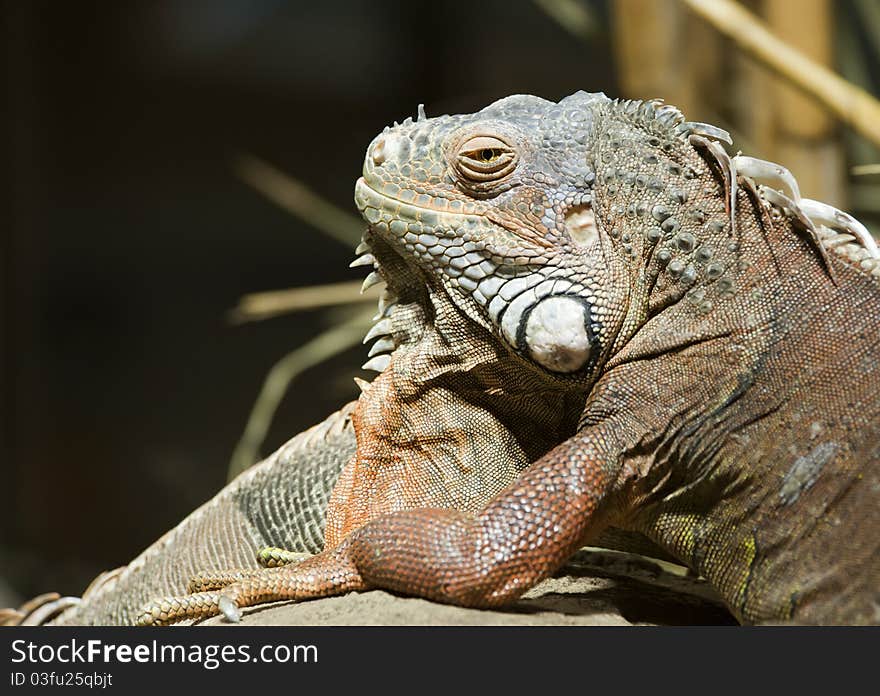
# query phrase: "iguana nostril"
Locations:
[[390, 149], [378, 153]]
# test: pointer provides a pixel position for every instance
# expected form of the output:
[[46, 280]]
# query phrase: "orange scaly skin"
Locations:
[[591, 293]]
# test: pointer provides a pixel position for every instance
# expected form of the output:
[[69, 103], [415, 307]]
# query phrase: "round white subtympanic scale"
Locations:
[[556, 334]]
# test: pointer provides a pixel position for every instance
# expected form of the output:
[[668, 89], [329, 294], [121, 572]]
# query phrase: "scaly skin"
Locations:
[[594, 294]]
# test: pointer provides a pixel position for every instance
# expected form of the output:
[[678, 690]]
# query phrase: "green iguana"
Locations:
[[595, 319]]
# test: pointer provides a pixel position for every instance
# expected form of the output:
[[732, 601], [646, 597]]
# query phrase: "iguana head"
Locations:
[[495, 208], [560, 228]]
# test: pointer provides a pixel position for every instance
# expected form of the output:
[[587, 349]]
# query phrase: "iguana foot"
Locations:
[[229, 591], [204, 598]]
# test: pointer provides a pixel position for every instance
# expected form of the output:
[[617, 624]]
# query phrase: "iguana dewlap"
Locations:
[[596, 317]]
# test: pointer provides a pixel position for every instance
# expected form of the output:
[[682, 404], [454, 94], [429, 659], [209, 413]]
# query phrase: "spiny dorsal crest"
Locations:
[[834, 229], [655, 113]]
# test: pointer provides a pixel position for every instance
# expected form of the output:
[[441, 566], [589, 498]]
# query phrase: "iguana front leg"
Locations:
[[481, 560]]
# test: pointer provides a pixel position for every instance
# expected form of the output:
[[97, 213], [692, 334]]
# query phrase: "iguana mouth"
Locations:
[[410, 224]]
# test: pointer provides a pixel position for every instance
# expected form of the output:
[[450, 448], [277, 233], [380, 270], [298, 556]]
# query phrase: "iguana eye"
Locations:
[[485, 158]]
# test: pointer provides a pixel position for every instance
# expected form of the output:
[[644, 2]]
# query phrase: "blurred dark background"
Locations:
[[128, 236]]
